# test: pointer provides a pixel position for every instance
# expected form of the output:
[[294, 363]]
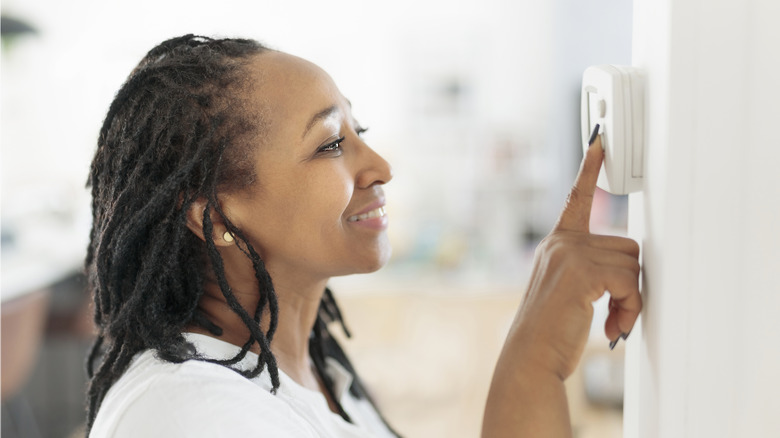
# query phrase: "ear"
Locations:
[[195, 222]]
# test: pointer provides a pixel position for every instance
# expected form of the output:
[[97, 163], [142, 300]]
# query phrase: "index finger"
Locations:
[[576, 213]]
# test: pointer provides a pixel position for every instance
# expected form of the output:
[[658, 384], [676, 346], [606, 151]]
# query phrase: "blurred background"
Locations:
[[474, 103]]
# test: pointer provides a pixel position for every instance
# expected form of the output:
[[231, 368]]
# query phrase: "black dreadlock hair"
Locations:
[[177, 131]]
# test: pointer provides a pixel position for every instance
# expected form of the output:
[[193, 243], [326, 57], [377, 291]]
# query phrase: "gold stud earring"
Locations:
[[227, 237]]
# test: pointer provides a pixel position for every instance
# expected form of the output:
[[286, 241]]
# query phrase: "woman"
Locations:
[[229, 184]]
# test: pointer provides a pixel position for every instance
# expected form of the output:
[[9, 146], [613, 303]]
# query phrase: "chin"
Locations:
[[376, 261]]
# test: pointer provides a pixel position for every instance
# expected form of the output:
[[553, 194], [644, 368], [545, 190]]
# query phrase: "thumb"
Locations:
[[576, 213]]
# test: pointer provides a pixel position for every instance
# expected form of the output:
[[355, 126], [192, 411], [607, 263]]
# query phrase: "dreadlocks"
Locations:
[[177, 131]]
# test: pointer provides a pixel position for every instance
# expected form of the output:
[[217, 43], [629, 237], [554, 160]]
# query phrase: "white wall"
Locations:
[[705, 358]]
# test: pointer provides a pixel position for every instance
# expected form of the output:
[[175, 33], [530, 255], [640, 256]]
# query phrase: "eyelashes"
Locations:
[[335, 145]]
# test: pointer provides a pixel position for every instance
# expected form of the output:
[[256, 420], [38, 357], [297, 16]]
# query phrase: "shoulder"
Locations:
[[192, 399]]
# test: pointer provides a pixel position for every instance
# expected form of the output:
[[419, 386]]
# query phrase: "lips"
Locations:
[[375, 209], [377, 212]]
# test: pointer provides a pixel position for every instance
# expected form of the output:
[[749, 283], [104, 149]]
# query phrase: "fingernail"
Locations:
[[594, 134], [622, 336]]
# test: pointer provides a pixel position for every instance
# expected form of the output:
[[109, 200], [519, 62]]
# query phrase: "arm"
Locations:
[[572, 268]]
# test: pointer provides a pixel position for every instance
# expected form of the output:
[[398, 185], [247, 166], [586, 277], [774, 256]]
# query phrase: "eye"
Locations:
[[334, 146], [360, 130]]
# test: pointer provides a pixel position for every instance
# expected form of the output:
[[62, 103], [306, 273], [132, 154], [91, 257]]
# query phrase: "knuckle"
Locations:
[[556, 250], [555, 256], [633, 246], [639, 303], [562, 249], [574, 195], [546, 242]]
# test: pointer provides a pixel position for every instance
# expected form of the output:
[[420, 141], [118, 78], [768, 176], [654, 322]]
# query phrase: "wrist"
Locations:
[[535, 351]]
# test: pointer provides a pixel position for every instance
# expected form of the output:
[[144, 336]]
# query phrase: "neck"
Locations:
[[298, 300], [298, 310]]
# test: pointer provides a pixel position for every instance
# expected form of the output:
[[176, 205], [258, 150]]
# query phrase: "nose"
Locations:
[[374, 170]]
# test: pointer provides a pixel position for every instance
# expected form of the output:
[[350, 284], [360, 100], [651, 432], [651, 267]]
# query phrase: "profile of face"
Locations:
[[316, 209]]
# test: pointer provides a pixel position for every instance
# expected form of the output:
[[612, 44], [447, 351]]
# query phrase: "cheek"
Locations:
[[326, 195], [316, 201], [300, 213]]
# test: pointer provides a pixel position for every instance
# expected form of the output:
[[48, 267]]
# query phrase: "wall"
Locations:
[[585, 33], [704, 360]]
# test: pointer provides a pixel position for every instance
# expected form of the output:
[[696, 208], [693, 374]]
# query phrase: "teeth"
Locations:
[[379, 212]]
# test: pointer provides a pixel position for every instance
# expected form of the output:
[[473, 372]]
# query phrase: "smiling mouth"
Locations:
[[378, 212]]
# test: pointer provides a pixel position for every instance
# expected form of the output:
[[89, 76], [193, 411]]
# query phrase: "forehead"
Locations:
[[291, 90]]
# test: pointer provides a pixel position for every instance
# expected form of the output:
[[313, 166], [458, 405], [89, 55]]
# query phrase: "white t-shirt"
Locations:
[[154, 398]]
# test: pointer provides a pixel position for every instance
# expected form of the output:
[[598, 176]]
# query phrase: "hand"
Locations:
[[573, 268]]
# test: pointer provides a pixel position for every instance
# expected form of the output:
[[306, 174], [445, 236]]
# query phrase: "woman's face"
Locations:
[[317, 207]]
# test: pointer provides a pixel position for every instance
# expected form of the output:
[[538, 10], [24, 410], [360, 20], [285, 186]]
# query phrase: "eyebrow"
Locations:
[[324, 114]]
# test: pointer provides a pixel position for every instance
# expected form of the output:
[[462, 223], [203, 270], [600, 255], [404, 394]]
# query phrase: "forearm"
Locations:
[[572, 268], [525, 403]]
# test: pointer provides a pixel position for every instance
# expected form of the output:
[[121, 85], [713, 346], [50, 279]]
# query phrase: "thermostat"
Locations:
[[613, 97]]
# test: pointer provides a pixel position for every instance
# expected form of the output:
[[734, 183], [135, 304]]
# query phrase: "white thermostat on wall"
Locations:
[[613, 97]]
